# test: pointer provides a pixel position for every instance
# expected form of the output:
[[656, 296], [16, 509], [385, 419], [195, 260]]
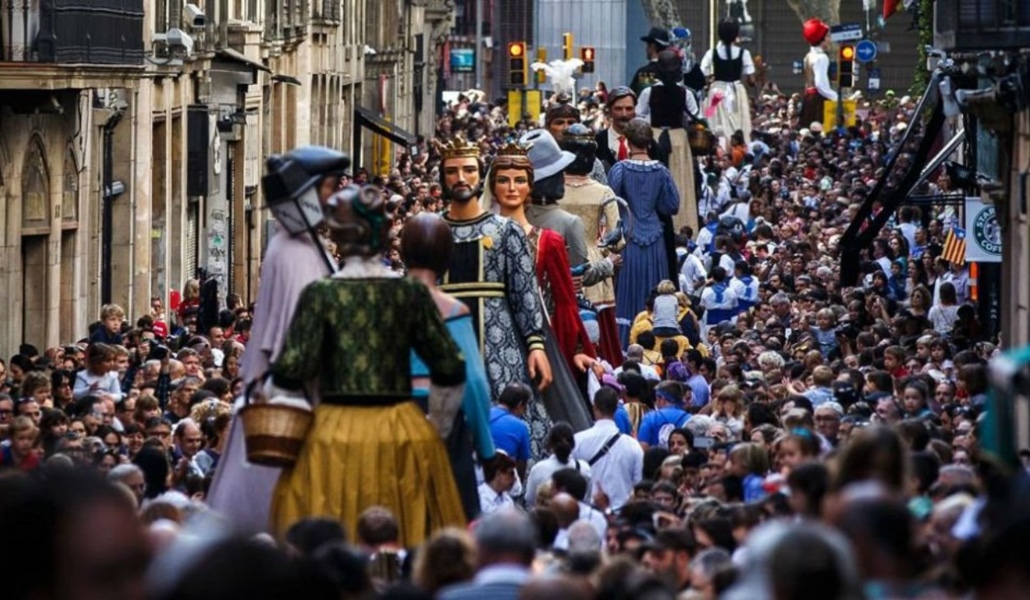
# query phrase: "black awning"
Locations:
[[367, 118], [364, 117], [287, 79], [904, 169], [233, 55]]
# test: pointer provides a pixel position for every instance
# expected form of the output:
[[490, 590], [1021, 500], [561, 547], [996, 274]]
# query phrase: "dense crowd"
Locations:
[[817, 441]]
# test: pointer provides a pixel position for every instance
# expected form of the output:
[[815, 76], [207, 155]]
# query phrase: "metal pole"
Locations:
[[479, 44], [713, 20]]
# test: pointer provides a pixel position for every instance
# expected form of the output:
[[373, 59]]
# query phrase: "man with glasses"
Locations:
[[161, 429]]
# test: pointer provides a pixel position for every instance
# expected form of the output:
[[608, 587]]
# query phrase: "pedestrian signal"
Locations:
[[846, 66], [587, 54], [517, 63]]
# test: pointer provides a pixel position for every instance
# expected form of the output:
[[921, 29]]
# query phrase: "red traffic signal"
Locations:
[[587, 55], [517, 64], [846, 66]]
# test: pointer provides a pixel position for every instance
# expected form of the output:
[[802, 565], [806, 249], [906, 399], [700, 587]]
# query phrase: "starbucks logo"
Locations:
[[986, 231]]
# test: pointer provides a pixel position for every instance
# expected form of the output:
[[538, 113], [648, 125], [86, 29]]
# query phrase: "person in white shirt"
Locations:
[[744, 285], [560, 441], [692, 274], [569, 482], [616, 460], [718, 300], [636, 352], [499, 479]]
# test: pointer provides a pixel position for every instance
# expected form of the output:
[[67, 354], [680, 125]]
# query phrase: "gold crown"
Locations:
[[458, 148], [514, 149]]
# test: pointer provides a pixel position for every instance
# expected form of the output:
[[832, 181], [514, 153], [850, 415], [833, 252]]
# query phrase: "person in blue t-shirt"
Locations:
[[667, 416], [509, 431]]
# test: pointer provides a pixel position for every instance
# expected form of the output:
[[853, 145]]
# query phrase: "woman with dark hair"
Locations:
[[669, 107], [61, 382], [650, 190], [426, 249], [728, 67], [560, 441], [52, 427], [944, 315], [154, 464], [808, 484]]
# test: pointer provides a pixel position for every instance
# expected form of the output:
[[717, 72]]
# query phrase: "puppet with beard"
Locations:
[[492, 272]]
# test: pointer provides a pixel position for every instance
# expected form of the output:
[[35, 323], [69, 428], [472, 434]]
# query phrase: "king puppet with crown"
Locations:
[[817, 80], [492, 272]]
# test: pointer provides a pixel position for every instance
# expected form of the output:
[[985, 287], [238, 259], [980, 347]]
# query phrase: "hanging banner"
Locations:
[[983, 234]]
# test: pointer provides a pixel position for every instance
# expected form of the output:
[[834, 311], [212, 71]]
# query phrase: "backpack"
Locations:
[[666, 430], [731, 227]]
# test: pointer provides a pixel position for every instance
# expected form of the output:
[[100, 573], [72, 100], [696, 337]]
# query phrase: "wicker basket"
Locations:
[[701, 140], [274, 433]]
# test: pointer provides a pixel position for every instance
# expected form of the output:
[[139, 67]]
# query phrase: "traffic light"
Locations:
[[567, 46], [846, 66], [517, 63], [541, 57], [587, 54]]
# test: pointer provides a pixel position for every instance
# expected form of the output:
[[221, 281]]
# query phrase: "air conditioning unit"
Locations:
[[970, 25]]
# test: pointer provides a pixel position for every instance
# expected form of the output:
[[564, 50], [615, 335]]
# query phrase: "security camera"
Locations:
[[179, 42], [195, 17]]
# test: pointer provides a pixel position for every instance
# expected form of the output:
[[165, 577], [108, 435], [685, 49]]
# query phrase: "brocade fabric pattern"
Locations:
[[328, 338]]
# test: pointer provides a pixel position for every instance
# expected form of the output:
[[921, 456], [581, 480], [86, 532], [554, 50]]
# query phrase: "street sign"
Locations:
[[845, 32], [865, 51], [873, 81]]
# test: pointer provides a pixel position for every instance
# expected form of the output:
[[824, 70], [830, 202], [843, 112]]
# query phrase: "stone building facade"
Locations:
[[126, 168]]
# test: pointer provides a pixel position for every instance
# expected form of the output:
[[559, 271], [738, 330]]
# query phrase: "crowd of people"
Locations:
[[662, 402]]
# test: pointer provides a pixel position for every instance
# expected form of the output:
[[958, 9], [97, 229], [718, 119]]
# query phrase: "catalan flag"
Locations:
[[955, 246]]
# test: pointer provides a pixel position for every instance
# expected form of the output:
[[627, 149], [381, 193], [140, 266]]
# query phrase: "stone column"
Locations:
[[143, 164]]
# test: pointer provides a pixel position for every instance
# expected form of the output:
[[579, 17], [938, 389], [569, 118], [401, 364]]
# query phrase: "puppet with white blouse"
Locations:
[[817, 80]]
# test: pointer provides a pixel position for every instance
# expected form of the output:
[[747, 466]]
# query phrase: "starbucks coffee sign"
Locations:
[[983, 233]]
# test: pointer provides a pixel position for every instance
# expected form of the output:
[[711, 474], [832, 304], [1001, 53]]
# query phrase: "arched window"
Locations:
[[35, 197]]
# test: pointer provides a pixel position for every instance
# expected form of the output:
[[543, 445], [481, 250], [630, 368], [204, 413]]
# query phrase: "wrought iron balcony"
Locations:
[[969, 25], [72, 32]]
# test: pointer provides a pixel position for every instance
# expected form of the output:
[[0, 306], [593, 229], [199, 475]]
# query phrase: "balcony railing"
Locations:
[[72, 32]]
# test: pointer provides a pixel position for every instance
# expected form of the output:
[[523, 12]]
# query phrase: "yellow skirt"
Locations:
[[359, 457]]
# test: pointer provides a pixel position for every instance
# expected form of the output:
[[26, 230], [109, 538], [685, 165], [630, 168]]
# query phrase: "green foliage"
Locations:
[[922, 75]]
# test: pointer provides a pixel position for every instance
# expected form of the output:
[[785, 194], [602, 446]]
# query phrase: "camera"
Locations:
[[160, 352], [847, 329], [194, 17], [702, 442]]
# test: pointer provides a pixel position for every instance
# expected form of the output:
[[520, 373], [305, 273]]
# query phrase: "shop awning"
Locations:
[[233, 55], [365, 118], [904, 170]]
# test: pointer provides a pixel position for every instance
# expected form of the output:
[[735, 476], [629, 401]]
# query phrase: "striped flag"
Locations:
[[892, 7], [955, 246]]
